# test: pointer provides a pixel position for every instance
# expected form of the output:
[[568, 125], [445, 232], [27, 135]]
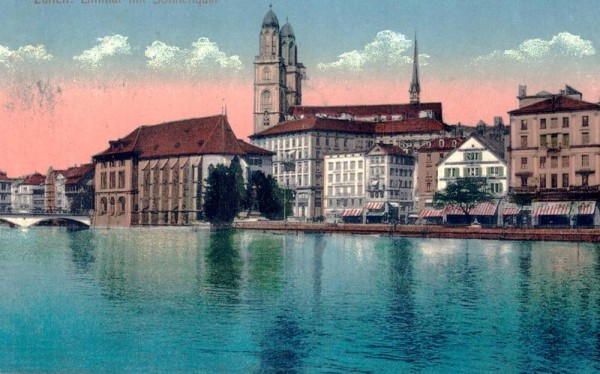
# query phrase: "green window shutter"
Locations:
[[500, 187], [489, 171], [464, 156], [501, 171], [465, 172], [446, 172]]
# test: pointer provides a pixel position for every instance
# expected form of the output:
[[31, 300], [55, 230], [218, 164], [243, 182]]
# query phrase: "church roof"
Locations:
[[196, 136], [270, 20], [415, 125], [319, 124], [557, 103], [287, 30], [251, 149]]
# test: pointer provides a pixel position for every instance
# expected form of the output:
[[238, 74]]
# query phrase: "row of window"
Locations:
[[565, 161], [112, 207], [345, 191], [112, 180], [112, 164], [344, 165], [585, 122], [474, 171]]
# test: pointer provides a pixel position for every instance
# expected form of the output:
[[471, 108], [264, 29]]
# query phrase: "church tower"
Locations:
[[294, 71], [277, 74], [415, 86]]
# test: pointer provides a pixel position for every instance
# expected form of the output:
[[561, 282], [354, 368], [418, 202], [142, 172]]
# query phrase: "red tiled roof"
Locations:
[[251, 149], [390, 149], [556, 103], [363, 111], [208, 135], [319, 124], [75, 174], [4, 177], [482, 209], [434, 145], [414, 125], [34, 179]]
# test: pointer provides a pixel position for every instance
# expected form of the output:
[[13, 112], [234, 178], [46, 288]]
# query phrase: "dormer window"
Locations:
[[441, 142]]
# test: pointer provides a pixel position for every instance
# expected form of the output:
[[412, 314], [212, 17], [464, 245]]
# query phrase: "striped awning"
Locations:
[[482, 209], [551, 208], [511, 211], [352, 213], [431, 213], [583, 208], [374, 205]]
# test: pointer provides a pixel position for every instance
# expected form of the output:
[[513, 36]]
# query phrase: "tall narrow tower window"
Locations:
[[265, 100], [266, 74]]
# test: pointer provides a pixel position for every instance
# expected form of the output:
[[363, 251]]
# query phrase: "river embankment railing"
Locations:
[[591, 235]]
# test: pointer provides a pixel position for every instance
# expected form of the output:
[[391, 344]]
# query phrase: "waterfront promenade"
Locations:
[[432, 231]]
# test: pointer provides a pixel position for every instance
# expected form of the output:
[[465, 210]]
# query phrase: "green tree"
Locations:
[[222, 199], [269, 197], [465, 194]]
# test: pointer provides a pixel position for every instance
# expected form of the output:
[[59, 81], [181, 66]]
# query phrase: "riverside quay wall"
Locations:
[[464, 232]]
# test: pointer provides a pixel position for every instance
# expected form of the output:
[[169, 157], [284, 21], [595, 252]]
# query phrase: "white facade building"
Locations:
[[344, 187], [474, 158]]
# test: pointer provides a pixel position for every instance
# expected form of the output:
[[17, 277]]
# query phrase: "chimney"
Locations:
[[522, 90]]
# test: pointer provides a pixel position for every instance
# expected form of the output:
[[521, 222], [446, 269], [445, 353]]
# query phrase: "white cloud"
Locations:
[[202, 56], [28, 53], [387, 49], [110, 45], [536, 50]]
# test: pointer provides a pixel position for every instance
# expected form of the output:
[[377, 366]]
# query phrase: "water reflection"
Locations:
[[222, 276], [83, 246]]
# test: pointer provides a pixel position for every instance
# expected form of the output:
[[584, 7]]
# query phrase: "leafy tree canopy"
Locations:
[[464, 193], [223, 196]]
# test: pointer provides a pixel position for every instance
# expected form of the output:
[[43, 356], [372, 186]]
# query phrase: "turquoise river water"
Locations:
[[167, 300]]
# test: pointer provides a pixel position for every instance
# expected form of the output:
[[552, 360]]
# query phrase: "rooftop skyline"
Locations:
[[74, 75]]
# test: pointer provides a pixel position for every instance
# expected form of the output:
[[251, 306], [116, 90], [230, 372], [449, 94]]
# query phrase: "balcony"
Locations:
[[524, 190], [584, 189]]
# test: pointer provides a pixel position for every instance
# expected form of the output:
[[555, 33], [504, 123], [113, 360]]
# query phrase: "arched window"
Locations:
[[265, 47], [121, 206], [103, 206], [284, 52], [111, 209], [265, 100], [266, 74], [292, 59]]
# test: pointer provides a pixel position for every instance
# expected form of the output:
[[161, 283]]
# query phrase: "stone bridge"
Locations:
[[28, 220]]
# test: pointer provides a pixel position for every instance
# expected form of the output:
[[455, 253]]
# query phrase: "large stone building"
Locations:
[[156, 174], [5, 192], [373, 186], [555, 146], [55, 200], [300, 136]]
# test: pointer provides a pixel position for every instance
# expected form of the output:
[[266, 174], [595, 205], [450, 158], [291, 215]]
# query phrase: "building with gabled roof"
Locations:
[[155, 175]]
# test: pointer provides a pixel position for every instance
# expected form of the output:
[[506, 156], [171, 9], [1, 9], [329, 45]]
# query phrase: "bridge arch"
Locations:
[[69, 221]]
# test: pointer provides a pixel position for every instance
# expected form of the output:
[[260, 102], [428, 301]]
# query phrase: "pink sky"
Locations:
[[82, 118]]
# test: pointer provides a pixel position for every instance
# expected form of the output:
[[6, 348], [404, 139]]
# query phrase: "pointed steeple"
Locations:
[[415, 86]]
